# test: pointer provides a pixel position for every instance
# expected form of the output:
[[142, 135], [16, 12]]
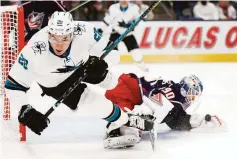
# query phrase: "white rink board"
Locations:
[[184, 37], [72, 136]]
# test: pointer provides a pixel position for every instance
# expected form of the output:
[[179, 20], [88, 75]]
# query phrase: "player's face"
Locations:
[[193, 95], [60, 43], [123, 3], [191, 98]]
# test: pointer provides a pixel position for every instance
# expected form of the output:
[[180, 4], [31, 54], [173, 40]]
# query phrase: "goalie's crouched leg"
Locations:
[[123, 137]]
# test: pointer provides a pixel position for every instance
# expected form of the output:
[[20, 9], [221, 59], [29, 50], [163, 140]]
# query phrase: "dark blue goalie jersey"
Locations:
[[177, 118]]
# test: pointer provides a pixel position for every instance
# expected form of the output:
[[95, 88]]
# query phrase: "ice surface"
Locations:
[[71, 136]]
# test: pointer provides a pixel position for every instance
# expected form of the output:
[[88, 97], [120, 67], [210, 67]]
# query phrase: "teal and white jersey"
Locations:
[[37, 60], [121, 18]]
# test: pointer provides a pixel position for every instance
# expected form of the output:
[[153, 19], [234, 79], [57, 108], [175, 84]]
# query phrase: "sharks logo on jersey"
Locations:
[[78, 29], [69, 66], [66, 69], [125, 25], [38, 47]]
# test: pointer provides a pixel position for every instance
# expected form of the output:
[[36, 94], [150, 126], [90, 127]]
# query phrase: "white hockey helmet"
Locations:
[[61, 23]]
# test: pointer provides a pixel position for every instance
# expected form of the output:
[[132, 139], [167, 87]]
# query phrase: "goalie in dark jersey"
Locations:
[[166, 101]]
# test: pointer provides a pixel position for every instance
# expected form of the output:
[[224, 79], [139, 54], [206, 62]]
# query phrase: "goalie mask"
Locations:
[[191, 88]]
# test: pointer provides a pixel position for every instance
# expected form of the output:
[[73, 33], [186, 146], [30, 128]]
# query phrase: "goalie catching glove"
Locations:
[[33, 119], [207, 123]]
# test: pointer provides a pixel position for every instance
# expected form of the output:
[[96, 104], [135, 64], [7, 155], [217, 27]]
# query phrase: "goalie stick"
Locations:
[[153, 132], [108, 50]]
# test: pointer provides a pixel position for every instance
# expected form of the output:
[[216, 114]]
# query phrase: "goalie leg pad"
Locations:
[[119, 142], [123, 137]]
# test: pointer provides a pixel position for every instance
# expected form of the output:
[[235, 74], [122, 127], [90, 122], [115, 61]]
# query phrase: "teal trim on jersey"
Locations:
[[23, 62], [123, 9], [65, 55], [115, 114], [97, 35], [13, 86]]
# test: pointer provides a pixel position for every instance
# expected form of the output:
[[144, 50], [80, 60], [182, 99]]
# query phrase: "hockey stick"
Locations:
[[108, 50], [60, 6], [153, 132], [23, 4], [78, 6]]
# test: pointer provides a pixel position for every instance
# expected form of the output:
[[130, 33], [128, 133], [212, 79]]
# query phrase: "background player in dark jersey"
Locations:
[[37, 14], [167, 101]]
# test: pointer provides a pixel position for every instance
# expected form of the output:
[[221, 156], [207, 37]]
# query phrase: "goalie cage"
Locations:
[[11, 42]]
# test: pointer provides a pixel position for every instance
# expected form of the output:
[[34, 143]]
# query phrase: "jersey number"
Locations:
[[168, 93], [97, 35], [22, 61]]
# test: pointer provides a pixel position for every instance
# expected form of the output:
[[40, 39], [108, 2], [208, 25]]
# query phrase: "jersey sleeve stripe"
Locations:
[[116, 113], [13, 85]]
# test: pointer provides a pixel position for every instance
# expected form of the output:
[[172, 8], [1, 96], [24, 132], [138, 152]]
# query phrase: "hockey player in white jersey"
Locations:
[[57, 56], [120, 16]]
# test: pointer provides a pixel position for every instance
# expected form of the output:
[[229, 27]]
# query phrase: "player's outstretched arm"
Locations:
[[20, 78], [98, 69], [98, 45], [207, 123], [181, 121], [17, 84]]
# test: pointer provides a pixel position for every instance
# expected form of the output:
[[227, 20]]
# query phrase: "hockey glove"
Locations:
[[33, 119], [96, 70], [207, 123]]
